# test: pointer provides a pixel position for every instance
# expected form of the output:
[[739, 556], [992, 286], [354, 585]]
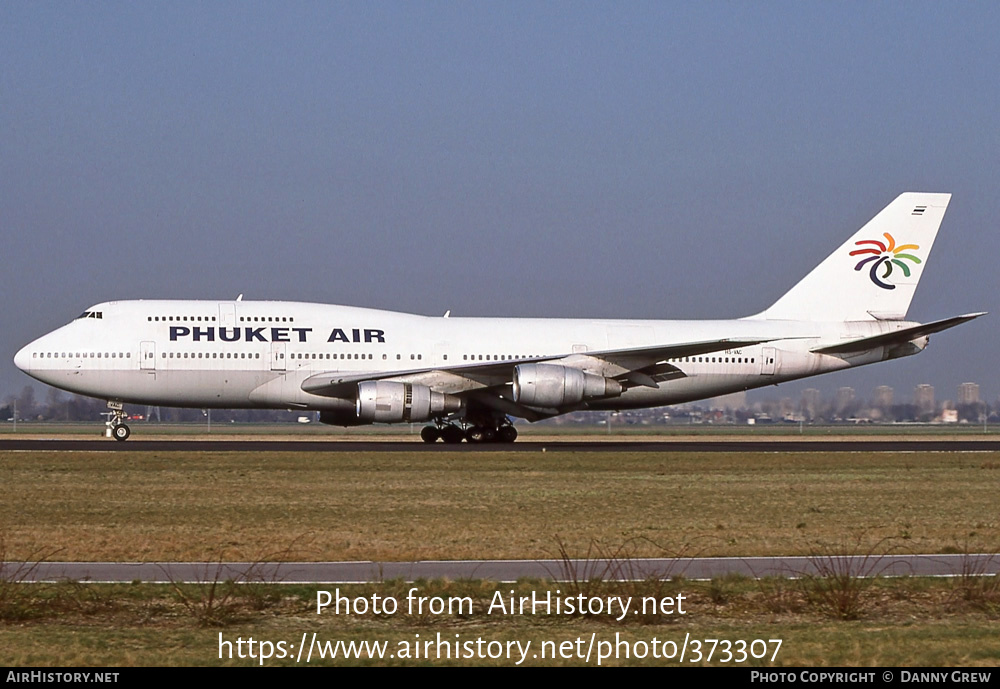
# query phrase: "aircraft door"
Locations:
[[439, 353], [277, 356], [147, 356], [769, 358], [227, 315]]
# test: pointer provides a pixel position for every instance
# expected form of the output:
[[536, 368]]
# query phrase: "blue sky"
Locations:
[[634, 160]]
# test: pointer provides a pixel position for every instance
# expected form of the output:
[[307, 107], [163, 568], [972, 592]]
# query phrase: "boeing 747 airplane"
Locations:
[[467, 377]]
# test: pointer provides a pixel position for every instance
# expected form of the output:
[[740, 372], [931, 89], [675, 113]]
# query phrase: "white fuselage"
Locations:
[[257, 354]]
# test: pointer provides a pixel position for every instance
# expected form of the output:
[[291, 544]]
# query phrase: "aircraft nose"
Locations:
[[23, 359]]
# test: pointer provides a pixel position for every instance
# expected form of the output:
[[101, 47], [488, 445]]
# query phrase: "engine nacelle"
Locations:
[[339, 412], [386, 401], [340, 417], [550, 385]]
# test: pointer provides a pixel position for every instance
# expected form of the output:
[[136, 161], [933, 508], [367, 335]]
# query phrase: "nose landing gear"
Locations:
[[116, 422]]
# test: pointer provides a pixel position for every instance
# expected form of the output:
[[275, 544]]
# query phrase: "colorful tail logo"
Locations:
[[886, 254]]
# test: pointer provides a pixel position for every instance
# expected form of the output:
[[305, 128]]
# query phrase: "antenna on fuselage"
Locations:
[[240, 298]]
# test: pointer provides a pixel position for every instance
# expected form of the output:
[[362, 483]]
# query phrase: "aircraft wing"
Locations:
[[897, 337], [637, 366]]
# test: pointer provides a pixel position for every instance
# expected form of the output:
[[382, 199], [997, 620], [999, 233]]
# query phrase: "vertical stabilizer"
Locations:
[[874, 274]]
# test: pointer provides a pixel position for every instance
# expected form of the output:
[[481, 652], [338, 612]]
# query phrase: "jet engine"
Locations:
[[550, 385], [386, 401], [338, 412]]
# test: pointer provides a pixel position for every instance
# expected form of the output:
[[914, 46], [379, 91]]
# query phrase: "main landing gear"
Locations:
[[448, 433], [116, 422], [480, 431]]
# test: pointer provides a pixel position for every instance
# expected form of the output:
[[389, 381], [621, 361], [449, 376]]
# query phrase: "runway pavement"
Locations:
[[658, 445], [504, 570]]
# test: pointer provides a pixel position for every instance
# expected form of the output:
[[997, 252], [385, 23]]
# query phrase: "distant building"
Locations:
[[811, 401], [730, 402], [968, 393], [883, 397], [923, 398], [843, 399]]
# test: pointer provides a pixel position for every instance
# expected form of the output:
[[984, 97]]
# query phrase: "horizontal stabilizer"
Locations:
[[896, 337]]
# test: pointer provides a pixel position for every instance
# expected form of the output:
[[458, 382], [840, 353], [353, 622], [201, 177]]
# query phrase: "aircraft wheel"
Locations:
[[506, 434], [478, 434], [430, 434], [452, 435], [120, 432]]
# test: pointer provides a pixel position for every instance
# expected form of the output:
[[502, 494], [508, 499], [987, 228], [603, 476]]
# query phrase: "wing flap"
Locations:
[[642, 357], [897, 337]]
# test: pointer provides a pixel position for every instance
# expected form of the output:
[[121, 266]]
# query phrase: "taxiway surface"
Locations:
[[638, 569]]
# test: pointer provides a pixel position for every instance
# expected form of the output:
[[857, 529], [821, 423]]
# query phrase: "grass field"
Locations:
[[407, 505], [907, 622]]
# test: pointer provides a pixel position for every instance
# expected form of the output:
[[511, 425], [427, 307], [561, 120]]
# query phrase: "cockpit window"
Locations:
[[91, 314]]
